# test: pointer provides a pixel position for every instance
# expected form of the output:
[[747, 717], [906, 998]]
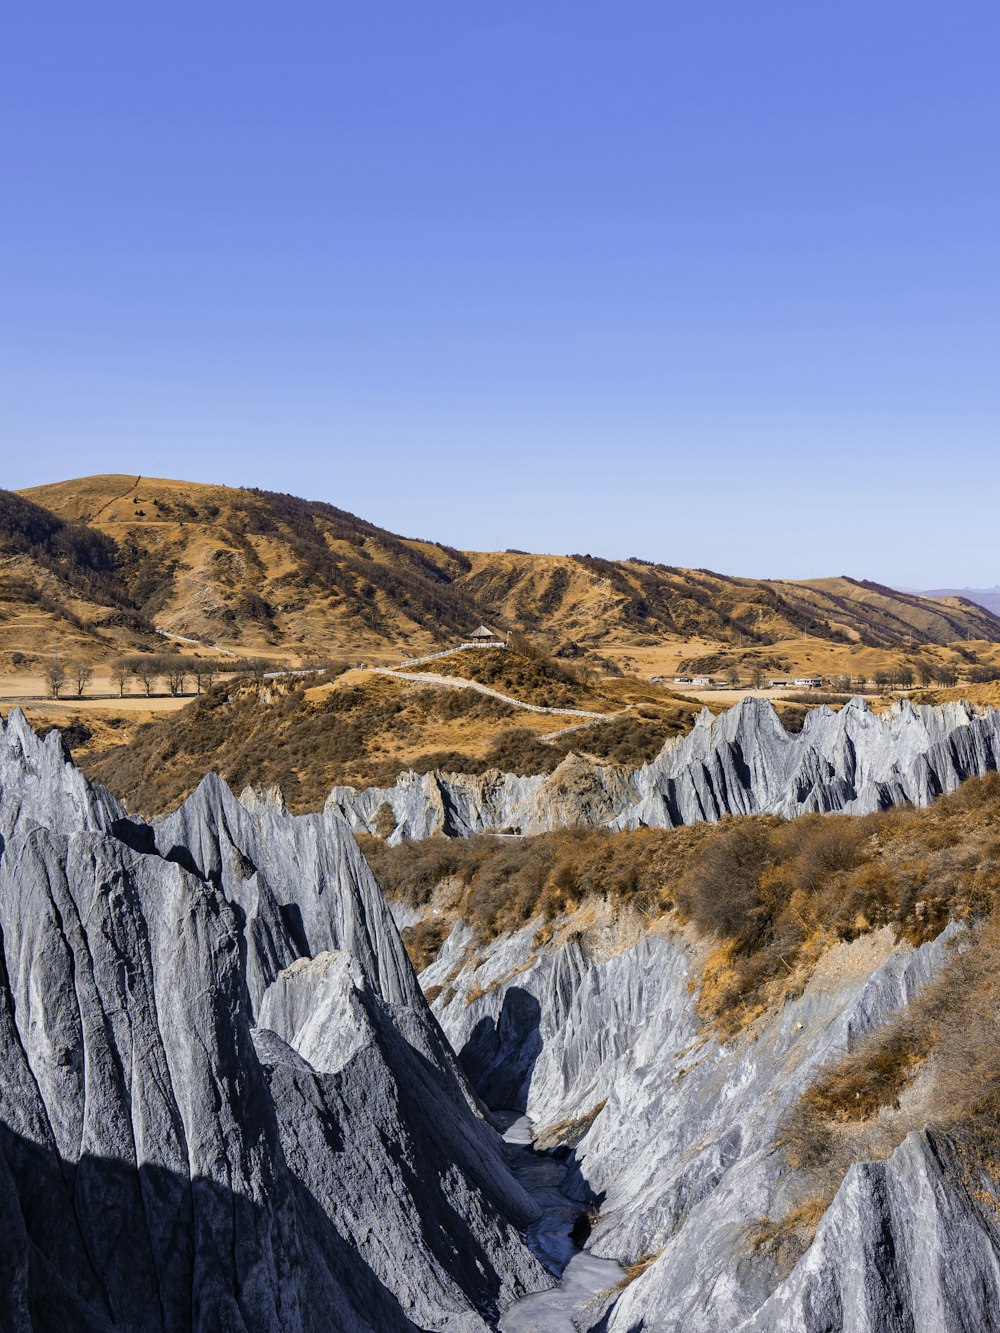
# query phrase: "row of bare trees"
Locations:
[[154, 675], [900, 677], [173, 671]]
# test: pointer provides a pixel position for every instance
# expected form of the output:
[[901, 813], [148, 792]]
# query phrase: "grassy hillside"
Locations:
[[583, 597], [268, 571], [307, 735], [261, 572], [62, 584]]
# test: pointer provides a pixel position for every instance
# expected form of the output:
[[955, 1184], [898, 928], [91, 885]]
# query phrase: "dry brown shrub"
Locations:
[[568, 1133], [632, 1271], [385, 821], [423, 940], [784, 1240]]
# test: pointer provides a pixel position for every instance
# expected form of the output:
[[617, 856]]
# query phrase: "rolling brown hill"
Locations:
[[266, 573]]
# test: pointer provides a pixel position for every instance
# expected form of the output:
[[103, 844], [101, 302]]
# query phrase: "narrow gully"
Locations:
[[582, 1276]]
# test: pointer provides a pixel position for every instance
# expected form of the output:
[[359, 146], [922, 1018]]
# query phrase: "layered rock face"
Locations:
[[224, 1103], [741, 762], [680, 1150]]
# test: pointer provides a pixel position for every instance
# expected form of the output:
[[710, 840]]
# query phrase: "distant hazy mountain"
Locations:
[[987, 597]]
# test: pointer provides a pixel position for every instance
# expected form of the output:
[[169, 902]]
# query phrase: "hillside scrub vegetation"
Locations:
[[531, 677], [769, 896], [306, 736]]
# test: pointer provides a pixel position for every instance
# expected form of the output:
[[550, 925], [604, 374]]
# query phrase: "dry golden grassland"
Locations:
[[253, 571]]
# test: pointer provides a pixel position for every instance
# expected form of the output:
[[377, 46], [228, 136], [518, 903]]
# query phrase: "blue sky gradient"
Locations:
[[714, 285]]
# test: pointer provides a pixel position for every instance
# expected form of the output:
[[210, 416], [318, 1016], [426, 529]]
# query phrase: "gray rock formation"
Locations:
[[198, 1129], [741, 762], [901, 1247], [679, 1147]]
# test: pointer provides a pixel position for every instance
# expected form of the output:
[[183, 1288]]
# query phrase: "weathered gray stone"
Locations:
[[682, 1150], [901, 1247], [741, 762], [166, 1162]]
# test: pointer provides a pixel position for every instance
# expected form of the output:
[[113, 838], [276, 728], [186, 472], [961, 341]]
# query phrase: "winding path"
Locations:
[[454, 683]]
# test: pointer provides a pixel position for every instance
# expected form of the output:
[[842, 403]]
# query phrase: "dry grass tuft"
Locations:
[[569, 1132], [632, 1271]]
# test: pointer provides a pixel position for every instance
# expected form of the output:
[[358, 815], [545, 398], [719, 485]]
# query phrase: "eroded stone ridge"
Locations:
[[676, 1137], [224, 1103], [741, 762]]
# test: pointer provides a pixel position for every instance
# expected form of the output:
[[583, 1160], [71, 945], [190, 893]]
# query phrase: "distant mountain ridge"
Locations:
[[272, 572], [986, 597]]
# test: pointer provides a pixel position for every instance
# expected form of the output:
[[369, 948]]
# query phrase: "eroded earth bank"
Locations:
[[758, 1061]]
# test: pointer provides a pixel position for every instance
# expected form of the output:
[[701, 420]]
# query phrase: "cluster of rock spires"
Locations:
[[224, 1103], [740, 762], [676, 1138]]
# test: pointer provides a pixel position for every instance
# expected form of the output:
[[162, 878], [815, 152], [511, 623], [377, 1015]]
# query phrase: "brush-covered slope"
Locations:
[[62, 584], [310, 734], [223, 564], [262, 570], [223, 1101]]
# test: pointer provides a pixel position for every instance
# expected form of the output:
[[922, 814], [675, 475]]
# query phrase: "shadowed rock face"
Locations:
[[741, 762], [199, 1128]]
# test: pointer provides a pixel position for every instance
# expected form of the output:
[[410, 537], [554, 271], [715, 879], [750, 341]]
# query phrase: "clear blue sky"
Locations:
[[713, 284]]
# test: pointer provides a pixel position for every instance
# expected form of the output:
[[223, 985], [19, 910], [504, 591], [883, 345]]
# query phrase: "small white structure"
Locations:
[[484, 637], [808, 682]]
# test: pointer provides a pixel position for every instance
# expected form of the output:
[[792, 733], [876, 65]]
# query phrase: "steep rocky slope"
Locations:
[[677, 1139], [224, 1102], [741, 762]]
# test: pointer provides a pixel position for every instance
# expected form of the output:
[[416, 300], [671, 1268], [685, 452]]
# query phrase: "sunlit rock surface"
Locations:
[[741, 762], [679, 1132], [199, 1128]]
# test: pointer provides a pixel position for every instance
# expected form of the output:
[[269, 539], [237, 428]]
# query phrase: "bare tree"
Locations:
[[177, 674], [121, 673], [904, 677], [82, 674], [925, 674], [756, 675], [55, 677], [732, 675], [204, 675], [147, 670]]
